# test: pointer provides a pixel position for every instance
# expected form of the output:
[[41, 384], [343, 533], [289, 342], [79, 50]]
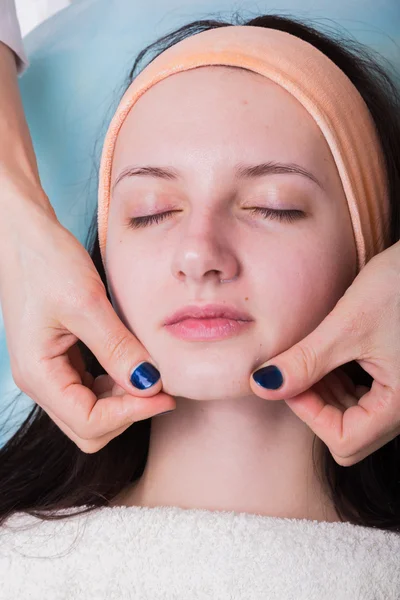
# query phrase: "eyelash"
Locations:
[[280, 215]]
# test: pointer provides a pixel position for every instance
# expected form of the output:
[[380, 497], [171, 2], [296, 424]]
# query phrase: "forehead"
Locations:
[[229, 110]]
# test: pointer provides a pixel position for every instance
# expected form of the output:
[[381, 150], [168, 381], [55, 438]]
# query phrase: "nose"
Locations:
[[206, 252]]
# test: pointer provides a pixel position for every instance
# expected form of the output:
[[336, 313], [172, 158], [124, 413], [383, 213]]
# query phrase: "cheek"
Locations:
[[134, 281], [298, 283]]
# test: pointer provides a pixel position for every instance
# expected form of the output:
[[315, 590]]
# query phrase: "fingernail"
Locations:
[[165, 413], [144, 376], [269, 377]]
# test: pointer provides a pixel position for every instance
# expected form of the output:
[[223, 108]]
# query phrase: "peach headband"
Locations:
[[317, 83]]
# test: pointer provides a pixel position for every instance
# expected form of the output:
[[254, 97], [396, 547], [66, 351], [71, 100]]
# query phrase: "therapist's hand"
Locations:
[[52, 295], [364, 326]]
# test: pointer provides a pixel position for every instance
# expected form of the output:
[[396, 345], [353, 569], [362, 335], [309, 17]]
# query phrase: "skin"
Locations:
[[223, 447]]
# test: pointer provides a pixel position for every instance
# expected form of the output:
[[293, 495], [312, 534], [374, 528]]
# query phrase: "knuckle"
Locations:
[[344, 461], [306, 360], [354, 326], [96, 423], [99, 421], [352, 320], [386, 401], [89, 447], [91, 297], [353, 323], [343, 453], [79, 433], [117, 345], [84, 431], [80, 424], [383, 403]]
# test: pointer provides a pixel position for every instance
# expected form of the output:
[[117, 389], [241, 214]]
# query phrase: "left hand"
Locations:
[[364, 326]]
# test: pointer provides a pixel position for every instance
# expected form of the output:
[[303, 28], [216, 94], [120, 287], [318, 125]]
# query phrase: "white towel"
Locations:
[[172, 553]]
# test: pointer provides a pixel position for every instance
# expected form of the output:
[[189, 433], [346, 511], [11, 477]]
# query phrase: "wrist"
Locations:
[[22, 195], [17, 156]]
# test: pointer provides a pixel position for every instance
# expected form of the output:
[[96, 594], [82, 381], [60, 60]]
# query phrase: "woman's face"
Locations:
[[203, 125]]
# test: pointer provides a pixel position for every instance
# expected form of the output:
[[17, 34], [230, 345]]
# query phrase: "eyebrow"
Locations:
[[241, 172]]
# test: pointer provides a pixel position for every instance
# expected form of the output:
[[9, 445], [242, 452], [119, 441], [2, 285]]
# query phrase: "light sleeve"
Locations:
[[10, 33]]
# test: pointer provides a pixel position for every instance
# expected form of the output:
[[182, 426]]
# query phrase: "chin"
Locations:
[[205, 381]]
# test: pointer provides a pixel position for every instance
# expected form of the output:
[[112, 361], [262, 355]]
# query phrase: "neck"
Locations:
[[243, 455]]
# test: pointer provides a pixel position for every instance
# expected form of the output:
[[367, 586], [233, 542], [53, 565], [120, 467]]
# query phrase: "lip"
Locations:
[[207, 323], [209, 311]]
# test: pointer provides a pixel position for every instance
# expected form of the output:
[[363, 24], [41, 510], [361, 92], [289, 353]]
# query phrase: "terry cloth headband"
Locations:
[[317, 83]]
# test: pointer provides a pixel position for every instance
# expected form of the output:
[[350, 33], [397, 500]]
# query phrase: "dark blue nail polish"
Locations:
[[269, 377], [144, 376]]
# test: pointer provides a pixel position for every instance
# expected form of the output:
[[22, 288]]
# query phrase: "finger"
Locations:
[[320, 399], [101, 384], [86, 415], [323, 389], [361, 390], [87, 446], [88, 379], [345, 380], [76, 359], [118, 351], [334, 342], [359, 431], [363, 452], [343, 389], [95, 444], [354, 391]]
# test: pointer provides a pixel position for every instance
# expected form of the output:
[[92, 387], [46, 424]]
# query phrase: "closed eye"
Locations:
[[136, 222], [279, 214]]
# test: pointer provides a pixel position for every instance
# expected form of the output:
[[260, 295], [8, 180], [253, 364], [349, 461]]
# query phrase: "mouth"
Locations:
[[213, 322]]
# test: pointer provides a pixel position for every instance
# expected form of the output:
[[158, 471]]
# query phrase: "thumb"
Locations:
[[296, 370], [119, 352]]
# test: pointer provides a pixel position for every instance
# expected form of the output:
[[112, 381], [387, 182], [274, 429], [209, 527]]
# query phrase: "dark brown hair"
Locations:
[[43, 471]]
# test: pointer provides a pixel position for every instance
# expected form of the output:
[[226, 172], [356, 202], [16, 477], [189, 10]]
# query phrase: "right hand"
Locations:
[[52, 296]]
